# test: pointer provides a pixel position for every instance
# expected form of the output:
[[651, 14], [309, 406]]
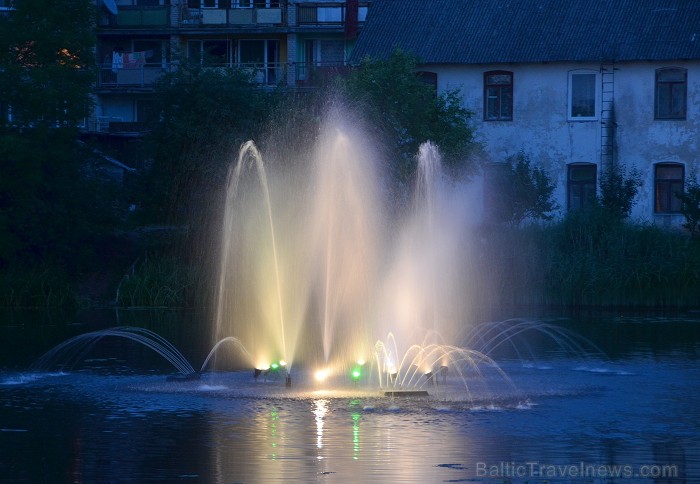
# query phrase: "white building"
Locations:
[[577, 85]]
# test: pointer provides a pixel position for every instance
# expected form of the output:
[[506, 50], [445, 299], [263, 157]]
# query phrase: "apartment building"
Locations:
[[293, 44]]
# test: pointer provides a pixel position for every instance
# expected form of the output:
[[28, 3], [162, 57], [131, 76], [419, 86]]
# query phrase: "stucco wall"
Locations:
[[541, 128]]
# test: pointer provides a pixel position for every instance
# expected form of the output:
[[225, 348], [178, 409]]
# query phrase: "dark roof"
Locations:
[[505, 31]]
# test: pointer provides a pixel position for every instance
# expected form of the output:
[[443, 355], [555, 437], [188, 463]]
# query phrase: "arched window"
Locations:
[[580, 185], [669, 179], [498, 96]]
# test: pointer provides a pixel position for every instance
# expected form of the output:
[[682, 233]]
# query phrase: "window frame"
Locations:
[[669, 192], [657, 86], [581, 184], [570, 94], [266, 68], [205, 58], [499, 97]]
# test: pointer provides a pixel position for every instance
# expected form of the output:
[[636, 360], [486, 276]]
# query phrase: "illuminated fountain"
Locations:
[[316, 271], [323, 276]]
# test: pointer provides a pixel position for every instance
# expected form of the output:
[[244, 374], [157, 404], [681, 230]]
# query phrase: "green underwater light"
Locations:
[[356, 374]]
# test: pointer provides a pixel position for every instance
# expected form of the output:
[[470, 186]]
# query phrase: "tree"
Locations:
[[690, 208], [47, 66], [410, 112], [520, 191], [204, 115], [48, 208], [618, 188]]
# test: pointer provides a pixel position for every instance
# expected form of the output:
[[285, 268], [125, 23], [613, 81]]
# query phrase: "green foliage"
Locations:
[[50, 211], [592, 258], [588, 259], [161, 281], [204, 115], [618, 188], [409, 112], [522, 191], [44, 287], [46, 62], [690, 208]]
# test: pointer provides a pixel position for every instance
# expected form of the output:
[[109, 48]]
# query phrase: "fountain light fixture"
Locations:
[[322, 374], [356, 374]]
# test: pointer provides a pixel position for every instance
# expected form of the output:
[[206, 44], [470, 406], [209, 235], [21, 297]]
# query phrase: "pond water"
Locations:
[[631, 415]]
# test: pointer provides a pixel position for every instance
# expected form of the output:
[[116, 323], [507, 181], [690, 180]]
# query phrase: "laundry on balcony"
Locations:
[[134, 60], [117, 60]]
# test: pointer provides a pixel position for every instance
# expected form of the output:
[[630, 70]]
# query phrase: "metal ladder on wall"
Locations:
[[607, 116]]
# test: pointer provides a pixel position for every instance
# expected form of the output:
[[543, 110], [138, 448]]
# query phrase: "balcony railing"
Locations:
[[130, 77], [129, 16], [297, 74], [198, 17], [329, 14], [262, 74]]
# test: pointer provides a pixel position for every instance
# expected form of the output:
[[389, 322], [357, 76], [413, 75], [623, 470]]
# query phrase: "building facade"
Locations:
[[282, 43], [579, 86]]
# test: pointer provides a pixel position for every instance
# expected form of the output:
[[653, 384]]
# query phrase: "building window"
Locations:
[[581, 185], [669, 179], [209, 52], [583, 94], [261, 57], [209, 4], [498, 96], [671, 90]]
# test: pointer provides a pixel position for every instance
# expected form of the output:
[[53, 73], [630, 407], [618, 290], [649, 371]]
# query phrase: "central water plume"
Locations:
[[343, 242], [315, 270]]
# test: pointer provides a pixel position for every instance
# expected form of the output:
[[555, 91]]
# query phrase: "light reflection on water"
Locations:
[[638, 411], [640, 407]]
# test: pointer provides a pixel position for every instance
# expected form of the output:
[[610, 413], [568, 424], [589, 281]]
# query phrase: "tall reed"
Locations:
[[43, 286], [591, 259]]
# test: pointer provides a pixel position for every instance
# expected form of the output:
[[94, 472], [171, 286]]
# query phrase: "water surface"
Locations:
[[113, 419]]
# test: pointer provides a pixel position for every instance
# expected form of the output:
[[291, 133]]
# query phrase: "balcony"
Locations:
[[297, 74], [326, 14], [130, 16], [144, 76], [115, 125], [205, 17]]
